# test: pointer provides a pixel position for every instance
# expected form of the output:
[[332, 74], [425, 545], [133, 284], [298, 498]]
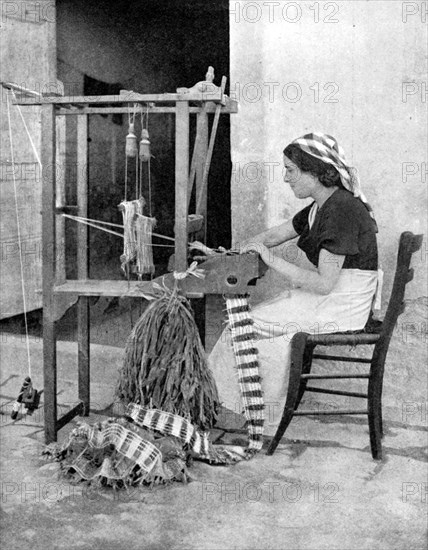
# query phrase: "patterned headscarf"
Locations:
[[326, 148]]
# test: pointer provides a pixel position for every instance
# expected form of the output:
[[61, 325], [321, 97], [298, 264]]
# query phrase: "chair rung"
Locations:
[[341, 358], [338, 411], [334, 375], [338, 392]]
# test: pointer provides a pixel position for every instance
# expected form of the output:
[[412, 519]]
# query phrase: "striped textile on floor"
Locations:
[[246, 355], [139, 451], [170, 424], [196, 441]]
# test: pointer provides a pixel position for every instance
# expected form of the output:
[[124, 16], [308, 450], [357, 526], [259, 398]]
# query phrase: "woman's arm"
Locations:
[[271, 237], [321, 281]]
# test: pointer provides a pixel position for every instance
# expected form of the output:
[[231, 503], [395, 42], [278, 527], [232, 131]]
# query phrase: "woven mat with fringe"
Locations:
[[146, 446]]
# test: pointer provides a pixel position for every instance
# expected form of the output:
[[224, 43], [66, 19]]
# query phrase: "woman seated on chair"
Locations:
[[337, 232]]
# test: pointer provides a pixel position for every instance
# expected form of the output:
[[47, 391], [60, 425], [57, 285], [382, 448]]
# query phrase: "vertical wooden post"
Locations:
[[60, 273], [83, 325], [181, 182], [199, 305], [48, 159], [202, 126]]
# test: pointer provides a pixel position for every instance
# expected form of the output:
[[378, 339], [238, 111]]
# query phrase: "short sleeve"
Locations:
[[338, 231], [300, 220]]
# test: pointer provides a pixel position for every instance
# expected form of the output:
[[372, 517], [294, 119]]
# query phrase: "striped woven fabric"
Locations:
[[171, 424], [246, 355], [127, 443], [195, 441], [326, 148]]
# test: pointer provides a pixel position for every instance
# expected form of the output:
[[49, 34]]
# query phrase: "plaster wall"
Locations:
[[27, 48], [356, 70]]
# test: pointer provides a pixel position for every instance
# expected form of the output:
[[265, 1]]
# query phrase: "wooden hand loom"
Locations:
[[223, 275]]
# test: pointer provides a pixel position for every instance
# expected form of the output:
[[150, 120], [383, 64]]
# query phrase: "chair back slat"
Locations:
[[417, 242], [409, 244]]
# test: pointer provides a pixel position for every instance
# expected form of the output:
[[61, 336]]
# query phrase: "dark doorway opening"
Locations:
[[147, 47]]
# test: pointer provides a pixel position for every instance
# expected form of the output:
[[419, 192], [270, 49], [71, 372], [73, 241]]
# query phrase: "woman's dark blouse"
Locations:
[[342, 226]]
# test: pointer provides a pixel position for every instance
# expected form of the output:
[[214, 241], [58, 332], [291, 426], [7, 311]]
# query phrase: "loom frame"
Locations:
[[59, 294]]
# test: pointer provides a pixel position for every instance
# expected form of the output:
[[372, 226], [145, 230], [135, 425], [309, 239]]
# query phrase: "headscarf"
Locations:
[[325, 148]]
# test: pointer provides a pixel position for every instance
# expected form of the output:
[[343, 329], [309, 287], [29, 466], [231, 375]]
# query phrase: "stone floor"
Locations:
[[321, 489]]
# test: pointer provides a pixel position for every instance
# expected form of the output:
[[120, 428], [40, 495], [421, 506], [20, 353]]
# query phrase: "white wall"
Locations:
[[28, 59], [348, 78]]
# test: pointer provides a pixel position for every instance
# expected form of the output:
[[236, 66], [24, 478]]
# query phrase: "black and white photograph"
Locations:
[[213, 275]]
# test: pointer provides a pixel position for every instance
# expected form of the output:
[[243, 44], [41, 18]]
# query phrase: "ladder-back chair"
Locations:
[[376, 333]]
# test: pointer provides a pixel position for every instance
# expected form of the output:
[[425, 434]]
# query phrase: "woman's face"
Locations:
[[302, 183]]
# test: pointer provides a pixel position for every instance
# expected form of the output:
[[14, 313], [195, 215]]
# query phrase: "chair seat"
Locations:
[[368, 335], [343, 339]]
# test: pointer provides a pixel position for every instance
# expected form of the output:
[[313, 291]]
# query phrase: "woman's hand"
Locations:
[[258, 247], [247, 246], [271, 237]]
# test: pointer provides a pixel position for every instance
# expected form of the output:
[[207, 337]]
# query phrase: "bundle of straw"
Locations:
[[165, 364]]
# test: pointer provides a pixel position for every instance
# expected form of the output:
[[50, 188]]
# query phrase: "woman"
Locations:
[[338, 234]]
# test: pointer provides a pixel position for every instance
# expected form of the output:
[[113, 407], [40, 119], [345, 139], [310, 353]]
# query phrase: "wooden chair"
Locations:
[[376, 333]]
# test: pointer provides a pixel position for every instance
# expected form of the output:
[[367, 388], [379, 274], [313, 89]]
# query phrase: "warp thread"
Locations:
[[137, 235]]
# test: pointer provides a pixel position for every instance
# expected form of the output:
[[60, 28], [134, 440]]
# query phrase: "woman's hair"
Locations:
[[326, 173]]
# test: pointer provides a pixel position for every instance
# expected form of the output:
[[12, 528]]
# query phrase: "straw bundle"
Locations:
[[165, 363]]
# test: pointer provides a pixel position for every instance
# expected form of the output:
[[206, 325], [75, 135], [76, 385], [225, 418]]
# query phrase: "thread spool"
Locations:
[[145, 146], [131, 142]]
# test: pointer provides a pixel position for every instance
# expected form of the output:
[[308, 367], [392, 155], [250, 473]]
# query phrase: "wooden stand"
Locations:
[[60, 294]]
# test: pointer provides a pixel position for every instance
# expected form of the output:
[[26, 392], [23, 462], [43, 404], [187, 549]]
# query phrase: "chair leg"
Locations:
[[306, 369], [375, 412], [298, 344], [380, 418], [375, 436]]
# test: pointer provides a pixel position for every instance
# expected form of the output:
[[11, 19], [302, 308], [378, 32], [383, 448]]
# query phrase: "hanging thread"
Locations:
[[137, 236], [97, 224], [36, 154], [24, 304]]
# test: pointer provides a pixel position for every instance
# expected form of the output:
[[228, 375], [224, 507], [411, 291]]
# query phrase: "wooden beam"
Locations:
[[48, 258], [60, 274], [181, 182], [69, 415], [96, 287], [201, 190], [223, 275], [83, 324], [204, 182], [130, 97], [82, 196], [132, 289], [200, 305], [231, 107]]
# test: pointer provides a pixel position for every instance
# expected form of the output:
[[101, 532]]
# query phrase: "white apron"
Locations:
[[347, 307]]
